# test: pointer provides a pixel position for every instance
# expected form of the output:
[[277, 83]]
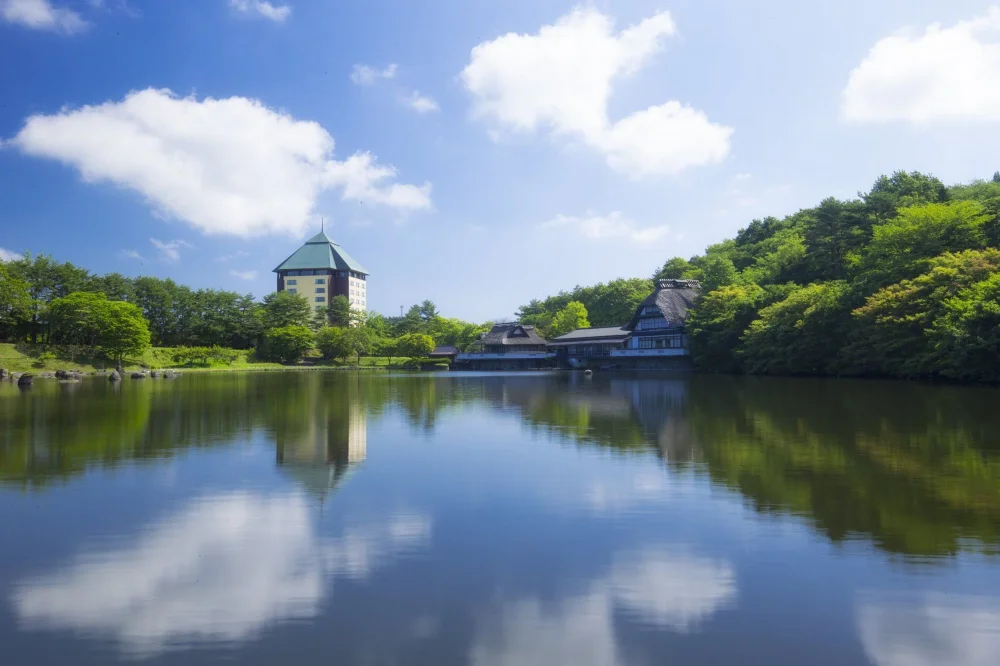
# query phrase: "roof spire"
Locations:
[[322, 224]]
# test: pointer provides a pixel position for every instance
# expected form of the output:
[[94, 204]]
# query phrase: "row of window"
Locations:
[[357, 276], [665, 342], [651, 324]]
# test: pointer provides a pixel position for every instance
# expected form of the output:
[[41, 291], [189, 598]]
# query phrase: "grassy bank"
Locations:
[[21, 358]]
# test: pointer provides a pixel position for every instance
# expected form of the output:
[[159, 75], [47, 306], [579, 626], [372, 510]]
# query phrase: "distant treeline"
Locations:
[[47, 302], [902, 281]]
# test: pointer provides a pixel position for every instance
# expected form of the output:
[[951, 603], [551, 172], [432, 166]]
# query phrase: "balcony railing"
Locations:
[[637, 353], [510, 356]]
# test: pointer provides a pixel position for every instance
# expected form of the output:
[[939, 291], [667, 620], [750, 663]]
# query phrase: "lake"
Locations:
[[525, 519]]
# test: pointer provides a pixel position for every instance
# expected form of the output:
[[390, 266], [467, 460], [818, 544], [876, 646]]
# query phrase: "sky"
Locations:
[[472, 152]]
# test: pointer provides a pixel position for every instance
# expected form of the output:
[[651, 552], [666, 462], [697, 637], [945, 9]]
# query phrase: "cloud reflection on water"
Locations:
[[220, 570], [668, 589], [933, 630]]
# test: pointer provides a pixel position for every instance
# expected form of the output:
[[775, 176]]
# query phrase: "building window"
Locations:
[[665, 342], [291, 291], [290, 282], [321, 299], [651, 324], [320, 281], [320, 290]]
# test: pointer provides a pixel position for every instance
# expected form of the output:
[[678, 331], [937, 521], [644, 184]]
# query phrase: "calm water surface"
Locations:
[[332, 518]]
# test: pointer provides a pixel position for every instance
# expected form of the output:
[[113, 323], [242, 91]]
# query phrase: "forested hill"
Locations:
[[902, 281]]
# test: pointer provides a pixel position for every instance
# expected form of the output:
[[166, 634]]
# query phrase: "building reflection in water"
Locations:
[[334, 442]]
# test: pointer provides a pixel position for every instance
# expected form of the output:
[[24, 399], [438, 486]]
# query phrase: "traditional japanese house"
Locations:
[[506, 347], [577, 347], [657, 327]]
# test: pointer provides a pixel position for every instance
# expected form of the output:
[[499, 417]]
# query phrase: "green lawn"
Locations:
[[33, 360]]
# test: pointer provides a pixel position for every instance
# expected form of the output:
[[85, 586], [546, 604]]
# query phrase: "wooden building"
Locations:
[[506, 347], [654, 337]]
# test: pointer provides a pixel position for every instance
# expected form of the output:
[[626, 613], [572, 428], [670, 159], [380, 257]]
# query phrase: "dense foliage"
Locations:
[[897, 282], [901, 281], [45, 302], [610, 304]]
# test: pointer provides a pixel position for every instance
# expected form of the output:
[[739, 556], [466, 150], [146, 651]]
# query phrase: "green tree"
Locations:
[[902, 247], [717, 323], [15, 301], [333, 342], [570, 318], [79, 319], [288, 344], [801, 334], [718, 271], [341, 312], [124, 331], [428, 311], [967, 334], [415, 345], [893, 323], [283, 309], [676, 268], [901, 190], [361, 340]]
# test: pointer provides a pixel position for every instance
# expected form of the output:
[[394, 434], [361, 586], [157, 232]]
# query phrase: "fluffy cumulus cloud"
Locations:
[[226, 166], [8, 255], [277, 13], [931, 630], [940, 74], [603, 227], [560, 79], [221, 570], [41, 15], [244, 275], [659, 587], [365, 75]]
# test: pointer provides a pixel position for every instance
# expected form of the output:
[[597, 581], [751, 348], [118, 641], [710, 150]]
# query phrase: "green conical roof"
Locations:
[[320, 253]]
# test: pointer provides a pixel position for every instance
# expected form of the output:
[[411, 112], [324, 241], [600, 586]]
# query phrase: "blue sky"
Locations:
[[474, 152]]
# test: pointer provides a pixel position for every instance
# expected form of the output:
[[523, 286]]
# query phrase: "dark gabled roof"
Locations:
[[511, 335], [580, 335], [673, 298], [445, 350], [320, 253]]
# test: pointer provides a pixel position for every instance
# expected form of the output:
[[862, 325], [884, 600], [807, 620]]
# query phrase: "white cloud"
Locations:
[[227, 166], [364, 75], [612, 225], [421, 103], [8, 255], [131, 254], [943, 74], [658, 586], [360, 177], [42, 15], [935, 630], [219, 571], [265, 9], [244, 275], [561, 79], [170, 250]]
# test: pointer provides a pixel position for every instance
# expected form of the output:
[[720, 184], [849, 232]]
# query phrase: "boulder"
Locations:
[[114, 376], [155, 374], [62, 374], [3, 374], [25, 380], [47, 375], [138, 375], [170, 375]]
